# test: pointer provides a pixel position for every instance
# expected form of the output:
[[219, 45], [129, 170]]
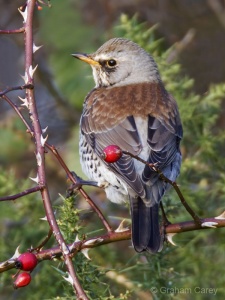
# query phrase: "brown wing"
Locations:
[[108, 118]]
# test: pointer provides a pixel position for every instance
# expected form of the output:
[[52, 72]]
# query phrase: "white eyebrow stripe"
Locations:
[[102, 56]]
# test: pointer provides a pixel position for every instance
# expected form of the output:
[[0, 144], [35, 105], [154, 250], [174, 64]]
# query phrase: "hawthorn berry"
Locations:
[[22, 280], [26, 261], [112, 153]]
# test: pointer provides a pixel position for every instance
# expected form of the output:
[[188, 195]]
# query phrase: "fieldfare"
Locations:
[[131, 108]]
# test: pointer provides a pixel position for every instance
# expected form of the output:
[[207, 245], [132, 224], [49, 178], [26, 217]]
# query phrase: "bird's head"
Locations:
[[120, 62]]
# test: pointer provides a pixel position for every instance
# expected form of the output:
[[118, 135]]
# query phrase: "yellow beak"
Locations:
[[86, 58]]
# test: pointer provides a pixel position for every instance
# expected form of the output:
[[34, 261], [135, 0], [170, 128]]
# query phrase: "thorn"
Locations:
[[209, 224], [65, 249], [25, 78], [169, 237], [71, 246], [45, 129], [61, 196], [69, 279], [85, 253], [45, 217], [16, 254], [121, 227], [36, 179], [12, 259], [39, 159], [32, 71], [77, 240], [43, 140], [36, 48], [32, 118], [93, 242], [222, 216], [25, 102], [24, 14]]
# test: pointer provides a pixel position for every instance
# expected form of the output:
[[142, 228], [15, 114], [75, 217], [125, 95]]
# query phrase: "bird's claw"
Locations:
[[79, 183]]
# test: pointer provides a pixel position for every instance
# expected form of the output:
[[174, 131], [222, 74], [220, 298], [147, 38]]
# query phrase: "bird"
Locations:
[[131, 108]]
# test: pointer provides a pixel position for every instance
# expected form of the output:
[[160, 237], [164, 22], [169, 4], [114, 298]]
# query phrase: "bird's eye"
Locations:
[[111, 63]]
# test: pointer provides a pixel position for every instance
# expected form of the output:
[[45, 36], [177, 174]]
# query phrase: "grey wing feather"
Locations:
[[165, 153], [124, 135]]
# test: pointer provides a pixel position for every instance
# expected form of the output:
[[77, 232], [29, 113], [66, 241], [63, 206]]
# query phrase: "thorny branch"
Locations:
[[116, 236], [40, 149], [36, 132]]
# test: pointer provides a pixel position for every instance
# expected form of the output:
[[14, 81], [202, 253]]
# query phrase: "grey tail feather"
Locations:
[[145, 226]]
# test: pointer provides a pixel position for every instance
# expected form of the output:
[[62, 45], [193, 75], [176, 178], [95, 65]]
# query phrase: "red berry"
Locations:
[[26, 261], [22, 279], [112, 153]]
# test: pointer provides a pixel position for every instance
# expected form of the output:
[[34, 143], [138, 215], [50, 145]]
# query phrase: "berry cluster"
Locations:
[[26, 262]]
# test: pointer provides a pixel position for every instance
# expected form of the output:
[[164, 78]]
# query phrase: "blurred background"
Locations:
[[188, 41]]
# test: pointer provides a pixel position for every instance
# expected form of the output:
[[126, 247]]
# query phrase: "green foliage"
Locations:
[[69, 219], [12, 145], [65, 36]]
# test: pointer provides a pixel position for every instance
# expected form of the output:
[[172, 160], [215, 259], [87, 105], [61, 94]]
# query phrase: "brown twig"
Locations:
[[12, 31], [218, 9], [83, 193], [173, 183], [165, 221], [17, 110], [56, 252], [21, 194], [181, 45], [14, 88], [184, 202], [45, 240]]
